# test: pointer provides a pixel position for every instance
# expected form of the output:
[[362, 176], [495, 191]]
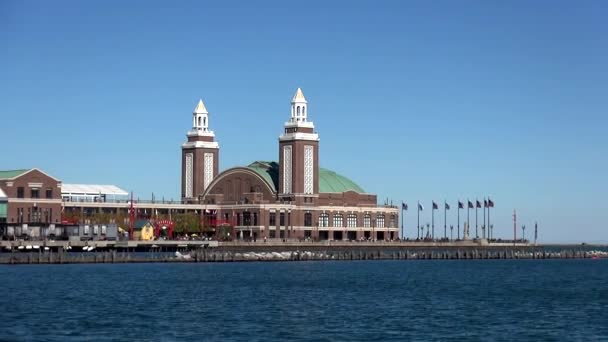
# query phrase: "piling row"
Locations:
[[226, 255]]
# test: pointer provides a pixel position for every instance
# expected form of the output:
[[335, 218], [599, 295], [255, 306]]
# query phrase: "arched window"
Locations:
[[204, 121], [199, 120], [380, 221], [351, 221], [298, 111], [338, 220], [303, 110], [323, 220], [367, 221]]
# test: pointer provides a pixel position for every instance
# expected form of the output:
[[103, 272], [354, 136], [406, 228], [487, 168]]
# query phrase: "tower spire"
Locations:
[[200, 120], [299, 109]]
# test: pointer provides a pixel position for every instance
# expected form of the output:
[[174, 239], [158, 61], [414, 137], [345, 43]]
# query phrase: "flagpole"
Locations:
[[459, 221], [402, 220], [484, 218], [489, 227], [476, 231], [418, 230], [433, 220], [445, 220], [468, 209]]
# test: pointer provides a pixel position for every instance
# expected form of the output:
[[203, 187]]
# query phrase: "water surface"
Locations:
[[501, 300]]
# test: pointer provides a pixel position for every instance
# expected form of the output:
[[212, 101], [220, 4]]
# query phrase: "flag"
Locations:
[[490, 203], [447, 206], [435, 206], [403, 206], [420, 206], [460, 205], [471, 204], [478, 203], [485, 203]]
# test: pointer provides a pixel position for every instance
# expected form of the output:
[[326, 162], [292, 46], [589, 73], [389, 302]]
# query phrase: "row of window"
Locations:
[[338, 220], [34, 193], [34, 215]]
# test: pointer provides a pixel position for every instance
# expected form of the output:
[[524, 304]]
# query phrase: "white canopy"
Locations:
[[91, 190]]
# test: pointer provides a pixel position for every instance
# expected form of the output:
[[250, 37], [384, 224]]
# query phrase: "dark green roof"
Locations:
[[139, 224], [268, 170], [8, 174], [329, 181]]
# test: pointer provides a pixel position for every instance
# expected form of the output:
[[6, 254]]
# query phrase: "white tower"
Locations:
[[299, 108], [200, 155], [200, 119], [299, 155]]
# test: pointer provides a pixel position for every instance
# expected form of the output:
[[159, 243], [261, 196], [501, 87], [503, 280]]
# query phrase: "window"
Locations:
[[199, 120], [238, 219], [338, 220], [367, 221], [246, 219], [307, 220], [281, 219], [255, 219], [86, 229], [36, 213], [380, 221], [35, 193], [273, 233], [351, 221], [323, 220], [298, 111], [104, 229], [49, 193], [273, 220], [20, 192], [392, 224], [95, 230]]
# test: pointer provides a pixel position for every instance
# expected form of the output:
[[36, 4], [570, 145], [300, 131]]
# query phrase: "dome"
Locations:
[[329, 181]]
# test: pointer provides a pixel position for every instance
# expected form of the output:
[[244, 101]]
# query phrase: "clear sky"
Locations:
[[413, 100]]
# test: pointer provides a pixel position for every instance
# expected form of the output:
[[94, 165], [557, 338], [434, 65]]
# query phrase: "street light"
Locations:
[[289, 223]]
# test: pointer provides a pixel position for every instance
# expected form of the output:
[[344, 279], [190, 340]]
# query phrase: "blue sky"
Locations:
[[413, 100]]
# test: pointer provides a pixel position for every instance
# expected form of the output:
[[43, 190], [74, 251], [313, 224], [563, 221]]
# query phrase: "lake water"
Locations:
[[490, 300]]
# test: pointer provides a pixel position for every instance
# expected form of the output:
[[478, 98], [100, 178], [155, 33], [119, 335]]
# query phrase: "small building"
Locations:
[[92, 232], [143, 230], [33, 202]]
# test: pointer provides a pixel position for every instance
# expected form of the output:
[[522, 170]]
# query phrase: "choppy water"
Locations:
[[499, 300]]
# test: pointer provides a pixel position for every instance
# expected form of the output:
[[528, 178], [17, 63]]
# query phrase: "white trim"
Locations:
[[287, 170], [299, 136], [309, 161], [30, 170], [189, 174], [208, 172], [200, 144], [305, 124]]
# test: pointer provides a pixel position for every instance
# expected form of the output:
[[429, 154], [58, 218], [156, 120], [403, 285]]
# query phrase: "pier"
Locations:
[[64, 252]]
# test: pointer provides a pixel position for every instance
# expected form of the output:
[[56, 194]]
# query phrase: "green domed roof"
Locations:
[[329, 181]]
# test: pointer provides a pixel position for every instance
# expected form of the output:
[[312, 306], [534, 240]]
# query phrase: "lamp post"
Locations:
[[373, 237], [289, 223]]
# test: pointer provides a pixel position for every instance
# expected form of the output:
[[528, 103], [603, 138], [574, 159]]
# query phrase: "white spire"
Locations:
[[298, 97], [200, 108], [200, 120], [299, 108]]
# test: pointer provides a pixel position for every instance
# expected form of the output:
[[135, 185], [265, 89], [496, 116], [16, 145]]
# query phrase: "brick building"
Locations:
[[291, 198], [33, 201]]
